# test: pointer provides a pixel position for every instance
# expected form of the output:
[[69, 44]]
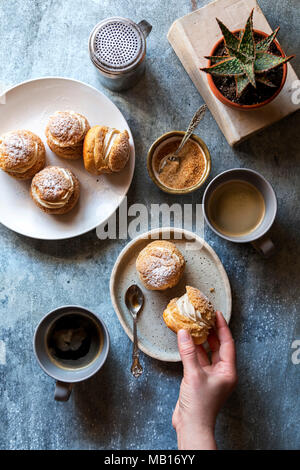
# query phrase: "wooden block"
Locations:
[[193, 37]]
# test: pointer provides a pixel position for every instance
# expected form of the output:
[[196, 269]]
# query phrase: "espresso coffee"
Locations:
[[74, 341], [236, 208]]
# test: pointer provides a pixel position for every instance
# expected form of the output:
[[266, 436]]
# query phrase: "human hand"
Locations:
[[205, 386]]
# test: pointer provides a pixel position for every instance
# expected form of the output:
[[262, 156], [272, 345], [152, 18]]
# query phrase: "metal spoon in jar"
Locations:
[[134, 299], [192, 126]]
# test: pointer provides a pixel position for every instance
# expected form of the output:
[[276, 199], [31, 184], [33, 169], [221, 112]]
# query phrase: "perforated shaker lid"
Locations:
[[116, 45]]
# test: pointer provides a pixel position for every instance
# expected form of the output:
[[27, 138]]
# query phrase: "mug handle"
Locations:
[[145, 27], [62, 391], [264, 246]]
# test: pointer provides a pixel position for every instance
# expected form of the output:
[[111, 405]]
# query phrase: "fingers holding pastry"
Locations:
[[65, 134], [105, 150], [22, 154], [192, 312], [55, 190], [160, 265]]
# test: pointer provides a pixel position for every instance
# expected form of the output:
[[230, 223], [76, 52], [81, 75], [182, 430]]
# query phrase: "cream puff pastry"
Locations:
[[160, 265], [65, 134], [192, 312], [22, 154], [55, 190], [105, 150]]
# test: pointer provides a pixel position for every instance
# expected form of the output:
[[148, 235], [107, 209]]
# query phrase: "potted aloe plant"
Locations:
[[247, 68]]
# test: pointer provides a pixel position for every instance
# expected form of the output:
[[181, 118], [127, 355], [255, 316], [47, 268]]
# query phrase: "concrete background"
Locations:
[[113, 410]]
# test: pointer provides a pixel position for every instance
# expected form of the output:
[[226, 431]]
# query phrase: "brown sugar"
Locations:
[[184, 173]]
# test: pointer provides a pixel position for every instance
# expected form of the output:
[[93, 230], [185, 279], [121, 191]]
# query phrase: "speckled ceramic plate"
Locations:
[[28, 106], [204, 270]]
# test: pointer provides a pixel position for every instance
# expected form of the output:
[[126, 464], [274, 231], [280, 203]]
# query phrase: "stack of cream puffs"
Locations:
[[105, 150], [22, 154], [55, 190], [65, 134], [160, 265]]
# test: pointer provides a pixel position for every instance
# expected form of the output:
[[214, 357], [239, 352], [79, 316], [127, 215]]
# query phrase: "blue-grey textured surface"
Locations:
[[113, 410]]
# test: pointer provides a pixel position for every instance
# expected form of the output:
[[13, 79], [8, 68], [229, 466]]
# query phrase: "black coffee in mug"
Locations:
[[71, 344], [74, 341]]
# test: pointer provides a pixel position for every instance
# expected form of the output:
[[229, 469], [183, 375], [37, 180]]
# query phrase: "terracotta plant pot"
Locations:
[[225, 100]]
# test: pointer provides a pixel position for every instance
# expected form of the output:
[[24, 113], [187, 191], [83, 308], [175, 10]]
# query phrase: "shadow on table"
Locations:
[[97, 404], [150, 105], [109, 423], [237, 429], [274, 148], [114, 407], [173, 369], [249, 418], [85, 246]]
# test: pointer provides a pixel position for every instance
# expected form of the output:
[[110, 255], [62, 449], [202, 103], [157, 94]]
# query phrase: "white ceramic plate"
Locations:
[[28, 106], [204, 270]]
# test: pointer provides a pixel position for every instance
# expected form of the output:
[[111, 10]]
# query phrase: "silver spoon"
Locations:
[[192, 126], [134, 299]]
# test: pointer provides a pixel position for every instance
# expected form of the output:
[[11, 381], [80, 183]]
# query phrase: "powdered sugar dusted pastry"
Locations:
[[55, 190], [160, 265], [22, 154], [65, 134], [105, 150], [192, 312]]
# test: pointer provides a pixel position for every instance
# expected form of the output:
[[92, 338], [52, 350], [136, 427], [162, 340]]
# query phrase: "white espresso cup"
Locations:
[[259, 236]]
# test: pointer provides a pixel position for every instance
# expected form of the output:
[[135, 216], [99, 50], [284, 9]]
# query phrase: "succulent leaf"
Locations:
[[249, 71], [228, 67], [247, 45], [266, 61], [214, 59], [265, 81], [241, 84], [231, 41], [263, 46], [241, 57]]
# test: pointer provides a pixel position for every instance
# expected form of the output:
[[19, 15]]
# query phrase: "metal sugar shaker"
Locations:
[[117, 48]]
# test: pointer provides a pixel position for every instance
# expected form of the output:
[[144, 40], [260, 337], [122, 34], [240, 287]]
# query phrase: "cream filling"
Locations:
[[63, 201], [31, 162], [83, 128], [187, 309], [109, 141]]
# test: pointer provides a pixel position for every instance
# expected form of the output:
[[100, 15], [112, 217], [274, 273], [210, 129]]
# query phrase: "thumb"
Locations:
[[187, 351]]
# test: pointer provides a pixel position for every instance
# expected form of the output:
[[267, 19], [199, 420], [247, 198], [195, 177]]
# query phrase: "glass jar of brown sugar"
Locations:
[[185, 174]]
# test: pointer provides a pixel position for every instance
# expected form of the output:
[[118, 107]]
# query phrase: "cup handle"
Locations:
[[62, 391], [145, 27], [264, 246]]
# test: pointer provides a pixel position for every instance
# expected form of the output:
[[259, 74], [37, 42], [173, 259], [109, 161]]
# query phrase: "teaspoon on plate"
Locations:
[[134, 300]]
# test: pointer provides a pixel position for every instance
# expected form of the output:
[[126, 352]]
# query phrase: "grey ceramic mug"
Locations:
[[258, 237], [65, 375]]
